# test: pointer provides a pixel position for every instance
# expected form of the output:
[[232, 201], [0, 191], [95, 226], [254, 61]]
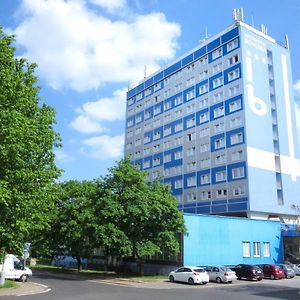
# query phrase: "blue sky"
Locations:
[[88, 52]]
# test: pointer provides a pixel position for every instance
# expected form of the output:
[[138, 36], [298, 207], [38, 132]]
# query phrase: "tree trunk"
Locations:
[[79, 265], [141, 266], [2, 274]]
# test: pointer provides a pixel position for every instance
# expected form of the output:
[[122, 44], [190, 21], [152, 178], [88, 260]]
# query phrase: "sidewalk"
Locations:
[[24, 288]]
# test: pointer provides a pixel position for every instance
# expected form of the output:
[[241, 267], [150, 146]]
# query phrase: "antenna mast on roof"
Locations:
[[145, 71], [238, 14], [204, 36]]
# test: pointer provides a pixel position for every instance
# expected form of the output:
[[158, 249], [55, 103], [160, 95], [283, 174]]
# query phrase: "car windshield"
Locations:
[[256, 267], [225, 269], [277, 267], [199, 270]]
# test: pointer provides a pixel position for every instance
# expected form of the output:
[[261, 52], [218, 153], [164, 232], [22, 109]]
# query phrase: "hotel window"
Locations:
[[178, 184], [138, 119], [234, 122], [167, 157], [203, 61], [191, 151], [178, 198], [130, 111], [191, 181], [190, 122], [190, 95], [167, 105], [147, 126], [130, 134], [167, 144], [217, 82], [203, 103], [190, 108], [205, 179], [130, 101], [238, 191], [205, 163], [177, 74], [155, 175], [238, 173], [203, 75], [203, 88], [233, 74], [190, 68], [217, 53], [190, 81], [167, 131], [148, 92], [139, 107], [147, 151], [178, 87], [157, 135], [219, 127], [148, 115], [220, 159], [267, 250], [178, 113], [178, 155], [178, 127], [146, 164], [205, 195], [156, 148], [256, 249], [232, 45], [217, 67], [156, 122], [220, 176], [191, 166], [191, 197], [204, 132], [191, 136], [130, 123], [221, 193], [233, 59], [139, 96], [204, 117], [167, 117], [237, 155], [177, 101], [218, 97], [219, 112], [167, 171], [236, 138], [178, 141], [204, 147], [235, 105], [246, 249], [167, 93], [157, 98], [148, 103], [157, 86], [157, 110], [156, 161], [167, 80], [129, 146], [219, 143], [147, 139], [138, 142], [234, 90]]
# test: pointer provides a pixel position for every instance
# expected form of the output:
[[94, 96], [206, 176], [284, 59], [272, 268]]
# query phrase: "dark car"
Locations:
[[272, 271], [287, 270], [249, 272]]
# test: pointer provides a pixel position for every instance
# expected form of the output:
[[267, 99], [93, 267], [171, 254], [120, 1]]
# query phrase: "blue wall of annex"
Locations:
[[219, 240]]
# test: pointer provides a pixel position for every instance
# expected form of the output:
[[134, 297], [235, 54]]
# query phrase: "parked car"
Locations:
[[220, 274], [297, 269], [288, 271], [190, 275], [248, 271], [272, 271]]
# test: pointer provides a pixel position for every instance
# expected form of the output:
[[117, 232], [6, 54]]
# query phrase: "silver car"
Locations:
[[220, 274]]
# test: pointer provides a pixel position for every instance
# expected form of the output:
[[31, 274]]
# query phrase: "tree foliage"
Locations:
[[27, 141]]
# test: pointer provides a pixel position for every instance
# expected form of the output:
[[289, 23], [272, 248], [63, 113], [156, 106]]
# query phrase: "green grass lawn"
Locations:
[[97, 274], [9, 284]]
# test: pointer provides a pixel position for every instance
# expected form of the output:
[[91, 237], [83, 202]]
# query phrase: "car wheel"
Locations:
[[204, 283], [229, 281], [218, 280], [23, 278], [191, 280], [238, 278], [171, 278], [272, 277], [259, 279]]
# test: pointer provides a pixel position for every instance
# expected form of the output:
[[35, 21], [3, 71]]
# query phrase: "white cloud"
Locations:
[[110, 5], [92, 114], [103, 147], [297, 88], [77, 48], [60, 155]]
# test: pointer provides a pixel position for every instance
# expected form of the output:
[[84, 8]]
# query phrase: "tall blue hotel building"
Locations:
[[218, 126]]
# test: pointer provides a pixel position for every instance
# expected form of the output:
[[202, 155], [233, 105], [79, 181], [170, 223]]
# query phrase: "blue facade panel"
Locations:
[[187, 60], [215, 240]]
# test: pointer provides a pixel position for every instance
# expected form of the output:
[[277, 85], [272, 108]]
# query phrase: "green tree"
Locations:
[[144, 212], [27, 142], [72, 230]]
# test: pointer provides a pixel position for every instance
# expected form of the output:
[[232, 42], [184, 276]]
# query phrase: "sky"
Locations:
[[90, 51]]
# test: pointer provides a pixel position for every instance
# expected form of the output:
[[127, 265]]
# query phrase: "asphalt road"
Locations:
[[72, 288]]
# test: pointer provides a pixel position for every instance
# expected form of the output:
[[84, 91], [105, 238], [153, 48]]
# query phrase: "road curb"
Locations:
[[24, 289]]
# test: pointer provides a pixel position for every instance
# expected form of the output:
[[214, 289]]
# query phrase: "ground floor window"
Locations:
[[246, 249], [267, 252], [256, 249]]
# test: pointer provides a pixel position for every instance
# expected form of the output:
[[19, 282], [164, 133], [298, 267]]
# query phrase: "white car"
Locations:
[[220, 274], [190, 275], [297, 269]]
